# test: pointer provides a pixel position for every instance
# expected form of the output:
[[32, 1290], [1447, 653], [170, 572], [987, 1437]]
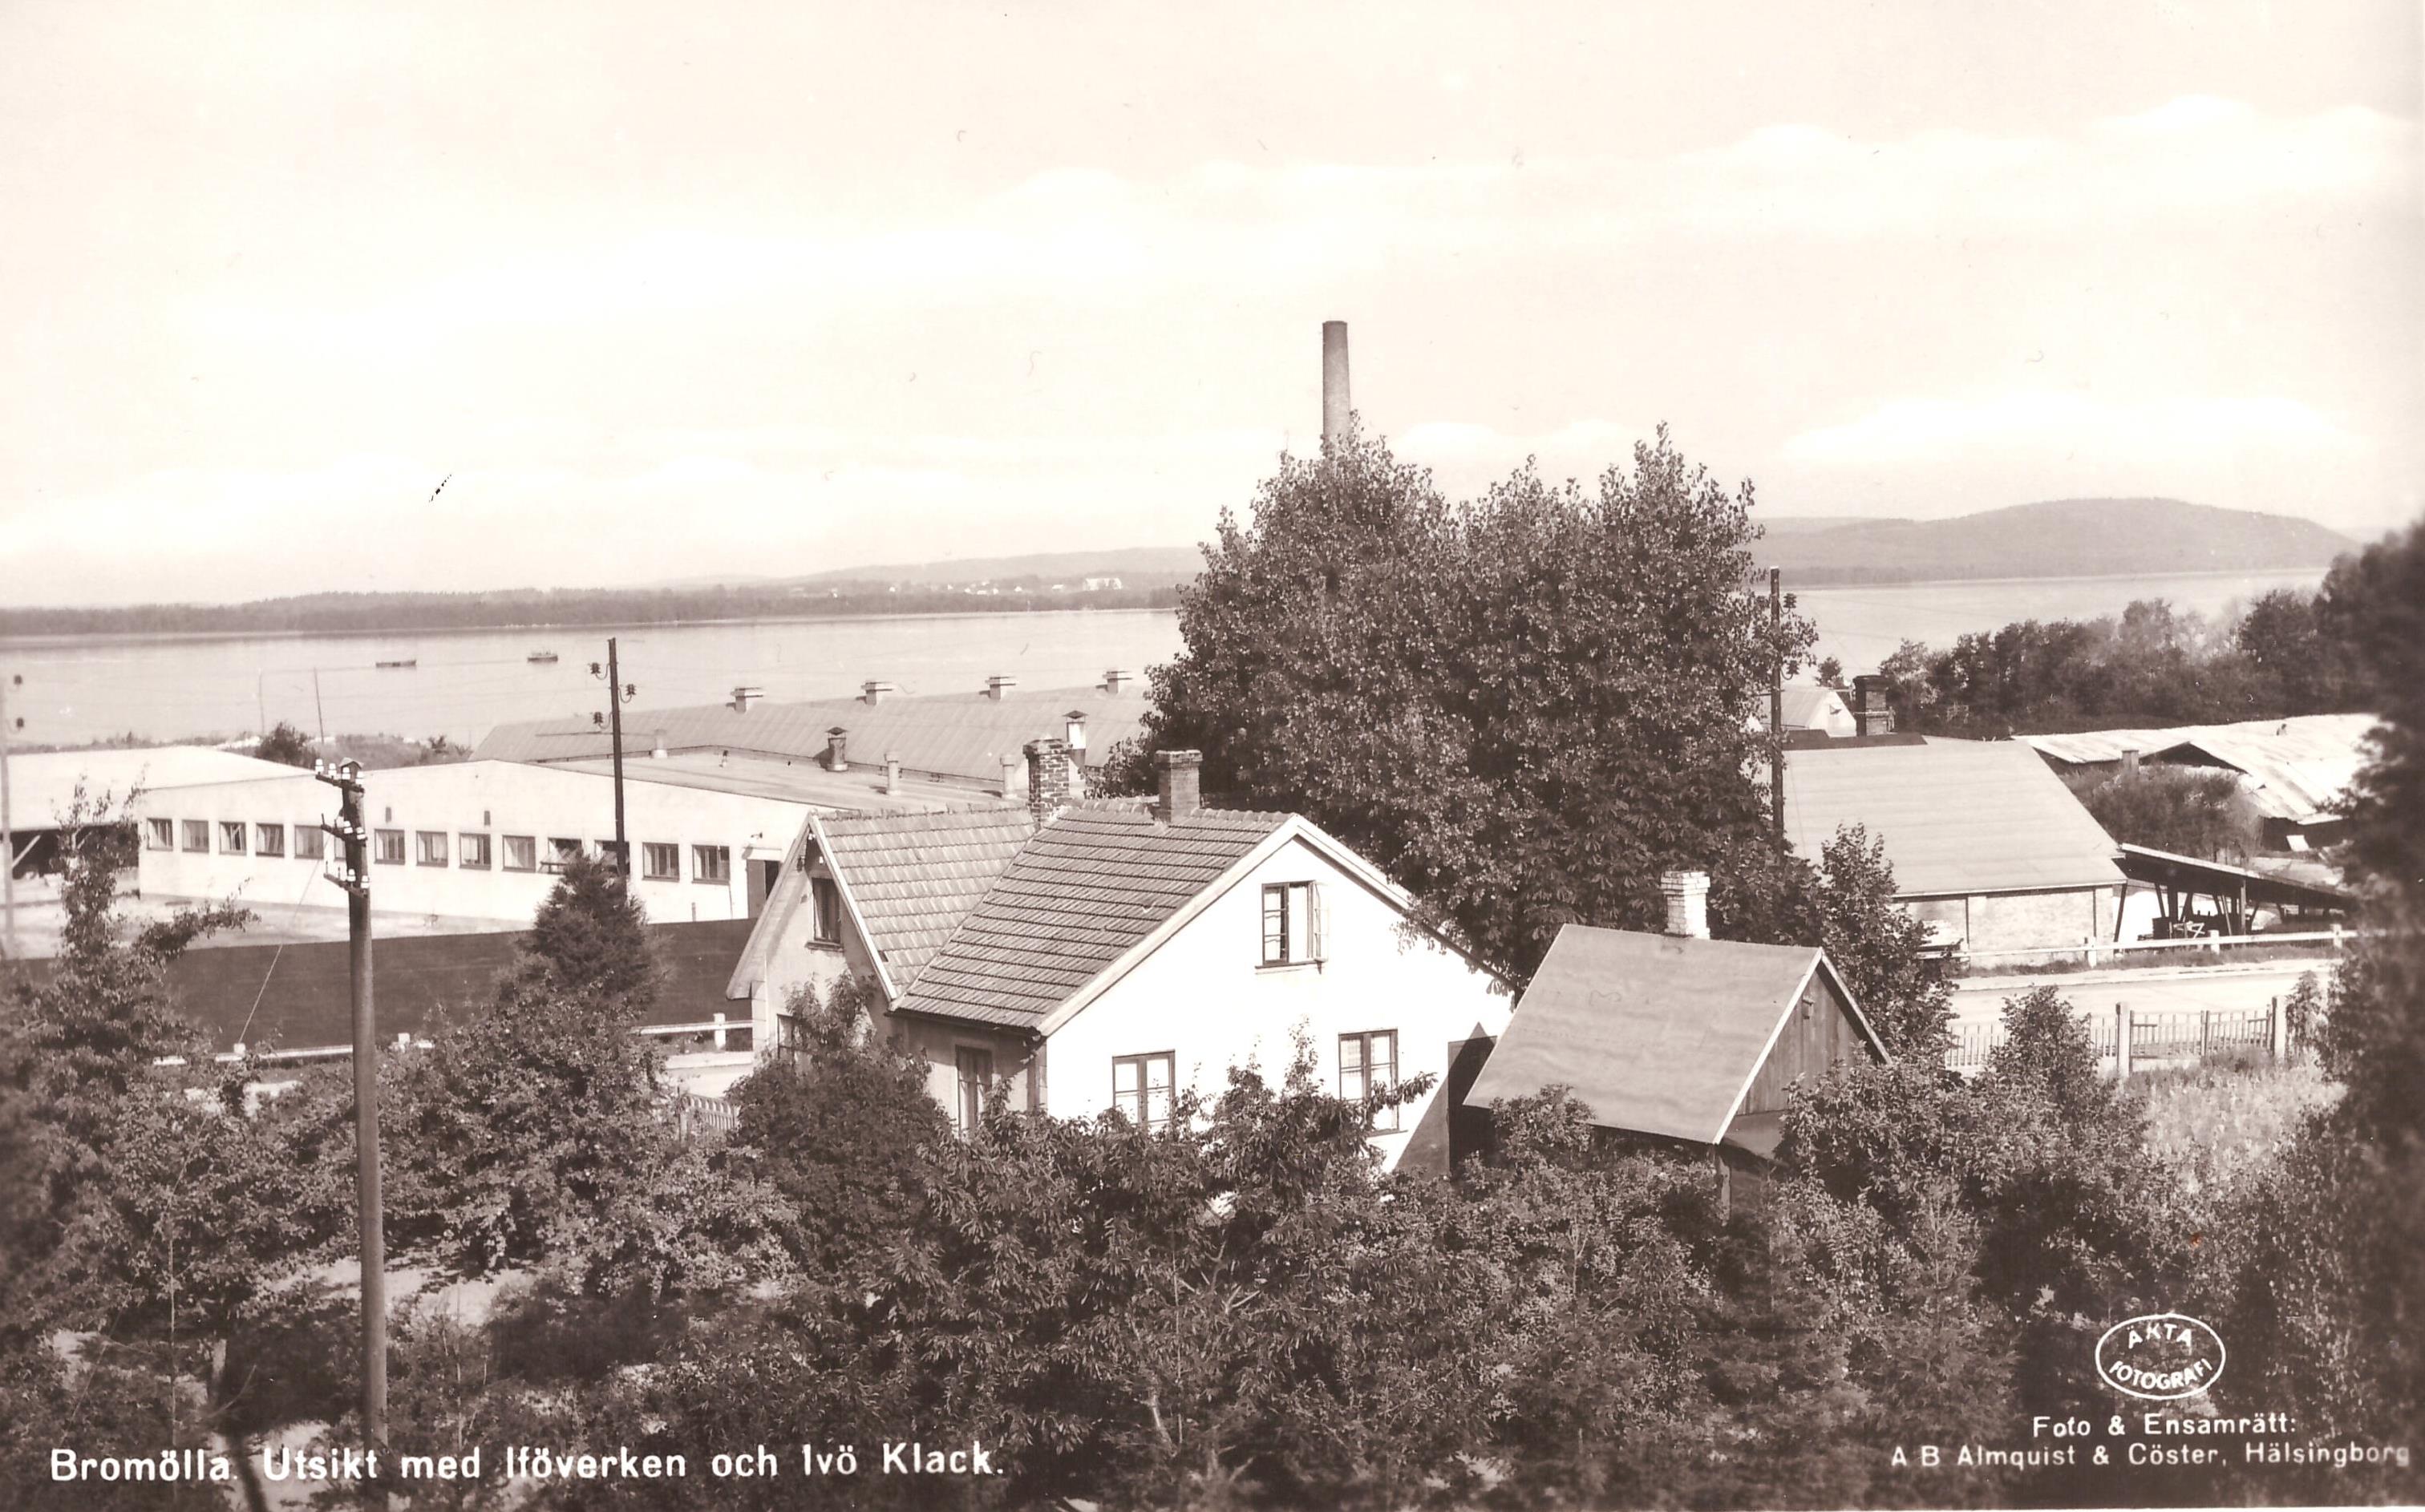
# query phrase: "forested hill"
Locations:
[[2059, 538], [2069, 537]]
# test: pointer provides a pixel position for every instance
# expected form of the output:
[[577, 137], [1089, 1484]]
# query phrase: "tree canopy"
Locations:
[[1523, 708]]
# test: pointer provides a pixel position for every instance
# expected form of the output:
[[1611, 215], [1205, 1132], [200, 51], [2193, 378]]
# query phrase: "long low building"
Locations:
[[45, 787], [483, 840], [1988, 847]]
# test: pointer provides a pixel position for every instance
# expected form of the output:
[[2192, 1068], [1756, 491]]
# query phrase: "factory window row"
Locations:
[[465, 850]]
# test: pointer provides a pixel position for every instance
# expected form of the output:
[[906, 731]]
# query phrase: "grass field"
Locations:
[[2220, 1122]]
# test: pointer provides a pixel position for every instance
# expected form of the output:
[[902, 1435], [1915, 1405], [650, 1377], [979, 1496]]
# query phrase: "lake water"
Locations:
[[78, 690]]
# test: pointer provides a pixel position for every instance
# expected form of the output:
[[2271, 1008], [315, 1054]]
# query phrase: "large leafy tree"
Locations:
[[1525, 708]]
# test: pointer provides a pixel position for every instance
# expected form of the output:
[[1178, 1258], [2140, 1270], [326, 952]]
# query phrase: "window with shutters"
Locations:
[[1368, 1063], [1142, 1086], [1291, 923]]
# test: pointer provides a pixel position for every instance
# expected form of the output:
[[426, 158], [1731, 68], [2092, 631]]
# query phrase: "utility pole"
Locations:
[[1777, 708], [354, 877], [7, 833], [619, 692]]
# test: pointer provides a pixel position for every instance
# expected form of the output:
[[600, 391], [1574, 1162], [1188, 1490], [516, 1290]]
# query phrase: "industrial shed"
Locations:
[[2294, 771], [1988, 847]]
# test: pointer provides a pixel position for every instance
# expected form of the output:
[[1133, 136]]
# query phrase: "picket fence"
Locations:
[[2126, 1038]]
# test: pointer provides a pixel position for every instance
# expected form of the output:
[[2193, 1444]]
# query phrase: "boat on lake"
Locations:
[[408, 661], [542, 659]]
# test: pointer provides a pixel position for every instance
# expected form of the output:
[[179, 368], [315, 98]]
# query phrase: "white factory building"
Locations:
[[481, 842]]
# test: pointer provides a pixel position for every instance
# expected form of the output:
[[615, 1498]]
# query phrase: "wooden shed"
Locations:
[[1678, 1038]]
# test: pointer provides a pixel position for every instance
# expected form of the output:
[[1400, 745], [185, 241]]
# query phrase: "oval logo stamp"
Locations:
[[2160, 1356]]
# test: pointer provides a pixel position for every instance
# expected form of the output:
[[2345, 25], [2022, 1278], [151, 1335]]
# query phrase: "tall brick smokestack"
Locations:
[[1336, 407]]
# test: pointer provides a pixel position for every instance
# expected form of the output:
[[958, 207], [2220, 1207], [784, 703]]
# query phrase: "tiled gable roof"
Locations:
[[1089, 885], [913, 877]]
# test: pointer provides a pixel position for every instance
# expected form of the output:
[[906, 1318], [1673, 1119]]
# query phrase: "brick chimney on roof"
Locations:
[[1873, 714], [998, 685], [872, 691], [1688, 903], [836, 749], [1176, 776], [1048, 778]]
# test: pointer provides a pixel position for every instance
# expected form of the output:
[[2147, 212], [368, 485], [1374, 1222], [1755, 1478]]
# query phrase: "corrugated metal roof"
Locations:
[[1657, 1034], [42, 785], [1089, 885], [2296, 769], [1956, 816], [958, 736], [795, 779]]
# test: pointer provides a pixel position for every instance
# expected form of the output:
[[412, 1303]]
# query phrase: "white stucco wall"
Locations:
[[1204, 997], [492, 798]]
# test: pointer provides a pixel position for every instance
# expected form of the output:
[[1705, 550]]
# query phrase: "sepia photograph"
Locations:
[[1211, 758]]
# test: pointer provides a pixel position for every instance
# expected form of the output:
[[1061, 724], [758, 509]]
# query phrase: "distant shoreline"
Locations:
[[565, 626]]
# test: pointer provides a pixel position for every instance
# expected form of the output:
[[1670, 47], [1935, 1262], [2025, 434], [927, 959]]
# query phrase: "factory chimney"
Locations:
[[1335, 405]]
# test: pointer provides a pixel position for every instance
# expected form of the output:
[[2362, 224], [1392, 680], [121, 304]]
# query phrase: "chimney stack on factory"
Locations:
[[1335, 406]]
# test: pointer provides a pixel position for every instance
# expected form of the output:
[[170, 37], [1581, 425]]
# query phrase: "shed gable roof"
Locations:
[[1656, 1034]]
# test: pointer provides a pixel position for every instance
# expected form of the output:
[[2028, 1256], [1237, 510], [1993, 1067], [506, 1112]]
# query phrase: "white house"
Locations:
[[471, 841], [1102, 956]]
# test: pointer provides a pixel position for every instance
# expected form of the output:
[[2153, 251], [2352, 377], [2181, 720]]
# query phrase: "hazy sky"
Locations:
[[684, 289]]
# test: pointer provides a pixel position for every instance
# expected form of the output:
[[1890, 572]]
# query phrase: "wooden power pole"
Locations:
[[353, 875], [619, 692]]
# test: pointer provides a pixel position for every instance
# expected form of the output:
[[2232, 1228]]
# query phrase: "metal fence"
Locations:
[[697, 1118]]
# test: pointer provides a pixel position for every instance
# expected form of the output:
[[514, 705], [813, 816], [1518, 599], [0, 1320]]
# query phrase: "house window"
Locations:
[[390, 847], [1368, 1063], [160, 833], [232, 837], [429, 848], [711, 863], [198, 835], [1291, 923], [611, 853], [475, 851], [660, 862], [561, 854], [269, 839], [976, 1077], [311, 842], [826, 910], [522, 853], [1141, 1086]]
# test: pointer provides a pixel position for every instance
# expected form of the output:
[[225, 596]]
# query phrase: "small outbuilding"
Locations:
[[1677, 1037]]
